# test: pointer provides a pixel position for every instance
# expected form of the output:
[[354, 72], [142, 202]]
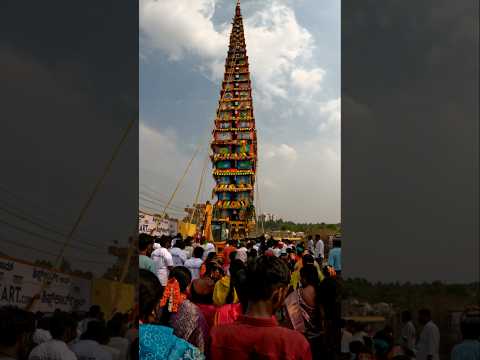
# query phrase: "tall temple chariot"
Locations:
[[234, 144]]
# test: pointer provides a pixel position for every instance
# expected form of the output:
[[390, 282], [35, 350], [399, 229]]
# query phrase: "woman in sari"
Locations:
[[156, 341], [225, 294], [305, 311], [181, 314]]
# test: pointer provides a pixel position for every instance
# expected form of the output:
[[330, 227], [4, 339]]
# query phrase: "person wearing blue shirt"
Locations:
[[335, 257], [469, 348]]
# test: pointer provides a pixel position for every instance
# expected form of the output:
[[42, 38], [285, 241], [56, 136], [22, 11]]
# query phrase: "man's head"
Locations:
[[470, 325], [94, 312], [96, 331], [308, 259], [309, 237], [424, 316], [198, 252], [406, 316], [16, 329], [180, 244], [337, 243], [268, 278], [59, 326], [317, 237], [145, 244], [165, 242]]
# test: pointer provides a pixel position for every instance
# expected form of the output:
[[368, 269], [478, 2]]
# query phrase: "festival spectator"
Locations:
[[307, 259], [224, 293], [246, 338], [180, 313], [201, 294], [230, 310], [179, 255], [16, 329], [89, 346], [335, 257], [116, 331], [347, 335], [194, 263], [145, 248], [319, 249], [469, 348], [310, 245], [305, 310], [209, 248], [104, 341], [242, 252], [408, 332], [189, 246], [163, 259], [42, 332], [231, 247], [56, 348], [157, 341], [94, 313], [428, 345]]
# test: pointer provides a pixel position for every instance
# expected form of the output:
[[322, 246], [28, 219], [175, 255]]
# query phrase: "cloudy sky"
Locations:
[[294, 53]]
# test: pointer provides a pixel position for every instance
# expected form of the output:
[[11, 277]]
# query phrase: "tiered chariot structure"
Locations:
[[234, 144]]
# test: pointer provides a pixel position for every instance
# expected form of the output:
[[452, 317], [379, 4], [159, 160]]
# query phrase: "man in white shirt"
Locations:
[[56, 348], [179, 255], [194, 263], [319, 249], [429, 341], [310, 245], [163, 260], [88, 347], [347, 336], [408, 332], [116, 329], [209, 248]]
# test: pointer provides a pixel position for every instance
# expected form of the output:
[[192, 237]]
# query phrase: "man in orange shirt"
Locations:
[[256, 334]]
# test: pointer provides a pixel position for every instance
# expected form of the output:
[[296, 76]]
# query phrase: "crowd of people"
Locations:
[[67, 336], [257, 298], [419, 341]]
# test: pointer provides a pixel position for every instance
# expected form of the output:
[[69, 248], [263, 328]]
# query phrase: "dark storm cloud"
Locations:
[[69, 89], [410, 140]]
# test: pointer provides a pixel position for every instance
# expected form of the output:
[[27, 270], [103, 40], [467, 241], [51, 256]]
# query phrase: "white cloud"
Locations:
[[279, 48], [282, 152], [307, 81], [332, 111]]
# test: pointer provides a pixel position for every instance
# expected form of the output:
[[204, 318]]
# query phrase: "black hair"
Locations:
[[96, 331], [310, 274], [317, 237], [184, 278], [115, 325], [337, 243], [425, 313], [265, 275], [308, 259], [143, 241], [188, 241], [150, 291], [94, 311], [198, 252], [59, 323], [470, 329], [232, 256], [165, 240], [179, 243], [406, 315], [14, 323], [211, 255], [235, 266]]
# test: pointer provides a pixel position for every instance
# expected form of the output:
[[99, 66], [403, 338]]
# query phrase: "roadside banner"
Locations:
[[20, 281]]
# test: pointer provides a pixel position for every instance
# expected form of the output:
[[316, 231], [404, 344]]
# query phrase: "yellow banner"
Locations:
[[112, 296], [187, 229]]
